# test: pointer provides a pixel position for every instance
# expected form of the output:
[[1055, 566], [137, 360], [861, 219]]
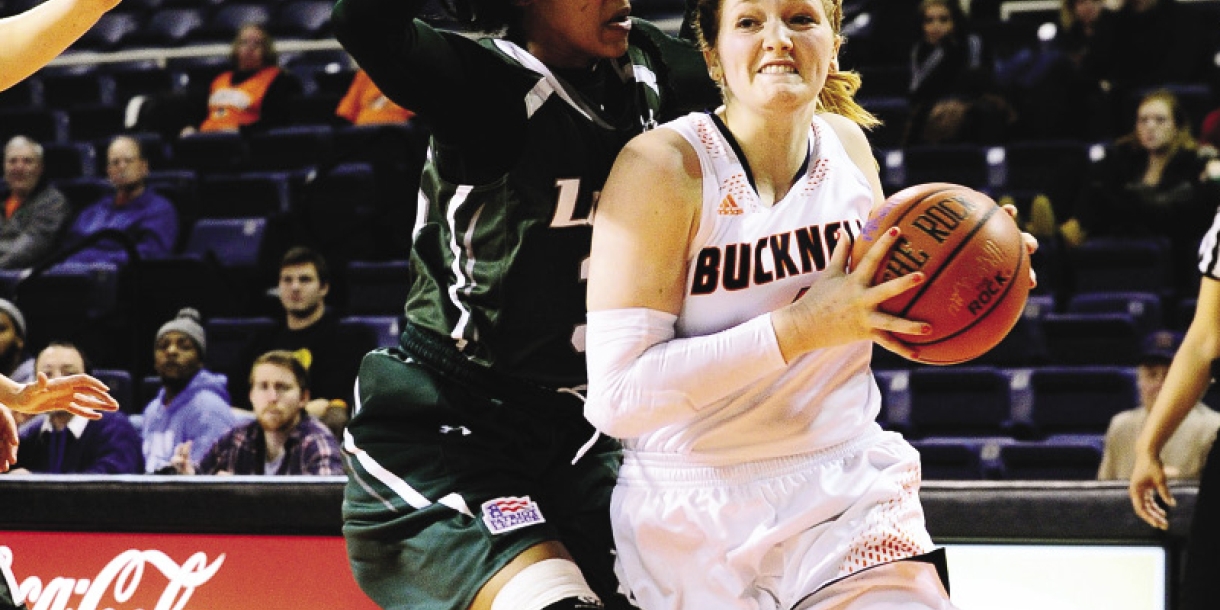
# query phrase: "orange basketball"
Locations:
[[975, 261]]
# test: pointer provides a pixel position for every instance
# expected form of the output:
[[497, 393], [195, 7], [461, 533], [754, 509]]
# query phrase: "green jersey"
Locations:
[[518, 158]]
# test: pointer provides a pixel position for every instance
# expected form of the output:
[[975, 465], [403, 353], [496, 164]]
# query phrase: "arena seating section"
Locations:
[[1034, 407]]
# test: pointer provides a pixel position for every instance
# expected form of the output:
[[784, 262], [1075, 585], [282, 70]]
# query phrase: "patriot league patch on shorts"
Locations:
[[507, 514]]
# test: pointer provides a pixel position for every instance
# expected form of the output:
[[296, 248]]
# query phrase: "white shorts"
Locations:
[[764, 535]]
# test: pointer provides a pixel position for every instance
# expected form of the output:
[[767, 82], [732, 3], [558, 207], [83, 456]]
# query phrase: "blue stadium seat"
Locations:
[[894, 113], [884, 80], [950, 460], [377, 287], [94, 287], [94, 122], [895, 387], [79, 303], [1007, 38], [332, 81], [23, 95], [122, 388], [40, 124], [964, 164], [1091, 338], [110, 32], [166, 285], [234, 242], [227, 337], [1038, 305], [1024, 345], [960, 401], [223, 24], [302, 19], [383, 330], [313, 108], [9, 278], [68, 160], [291, 148], [1050, 461], [211, 152], [169, 27], [1184, 312], [1055, 168], [181, 187], [75, 86], [135, 79], [194, 75], [244, 195], [1079, 399], [150, 385], [1105, 264], [1143, 307], [84, 191]]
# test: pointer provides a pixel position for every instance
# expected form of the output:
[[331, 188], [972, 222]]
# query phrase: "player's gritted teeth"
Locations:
[[779, 67]]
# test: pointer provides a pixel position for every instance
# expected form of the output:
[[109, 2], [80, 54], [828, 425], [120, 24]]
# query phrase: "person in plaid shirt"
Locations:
[[282, 439]]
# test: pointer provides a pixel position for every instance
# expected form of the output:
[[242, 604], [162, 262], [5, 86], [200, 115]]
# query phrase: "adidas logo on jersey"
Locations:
[[729, 207]]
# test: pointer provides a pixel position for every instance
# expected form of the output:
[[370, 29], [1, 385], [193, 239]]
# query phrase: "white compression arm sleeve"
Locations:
[[641, 378]]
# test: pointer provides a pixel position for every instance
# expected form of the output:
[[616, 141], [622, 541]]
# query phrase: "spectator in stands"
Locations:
[[148, 219], [1192, 370], [283, 439], [256, 93], [311, 330], [1149, 185], [1058, 86], [193, 404], [1158, 42], [1087, 34], [952, 86], [365, 104], [62, 443], [1185, 451], [34, 211]]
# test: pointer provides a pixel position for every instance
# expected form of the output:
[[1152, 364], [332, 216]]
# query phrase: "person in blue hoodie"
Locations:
[[193, 403]]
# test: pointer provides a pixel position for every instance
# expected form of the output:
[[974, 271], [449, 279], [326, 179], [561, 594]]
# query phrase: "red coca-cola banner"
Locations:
[[88, 571]]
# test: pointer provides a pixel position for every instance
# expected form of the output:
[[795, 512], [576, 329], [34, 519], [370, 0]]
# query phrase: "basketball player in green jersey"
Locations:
[[475, 480]]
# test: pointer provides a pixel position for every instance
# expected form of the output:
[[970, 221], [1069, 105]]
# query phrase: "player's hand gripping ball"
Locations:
[[976, 264]]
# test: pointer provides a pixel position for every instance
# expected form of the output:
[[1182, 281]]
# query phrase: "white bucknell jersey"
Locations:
[[748, 259]]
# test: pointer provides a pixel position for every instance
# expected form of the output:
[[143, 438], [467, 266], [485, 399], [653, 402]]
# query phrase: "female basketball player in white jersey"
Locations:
[[729, 347]]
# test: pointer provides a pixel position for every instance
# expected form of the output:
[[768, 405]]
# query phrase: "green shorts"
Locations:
[[450, 482]]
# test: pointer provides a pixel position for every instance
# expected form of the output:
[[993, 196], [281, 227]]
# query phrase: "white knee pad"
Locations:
[[542, 584]]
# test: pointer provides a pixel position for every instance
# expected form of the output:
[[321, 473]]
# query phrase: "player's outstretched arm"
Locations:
[[78, 394], [29, 40], [1185, 383]]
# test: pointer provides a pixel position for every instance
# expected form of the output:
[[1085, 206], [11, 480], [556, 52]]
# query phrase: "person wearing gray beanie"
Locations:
[[192, 408], [187, 322]]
